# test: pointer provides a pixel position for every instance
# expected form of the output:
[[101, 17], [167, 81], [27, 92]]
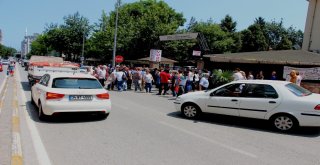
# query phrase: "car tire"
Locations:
[[32, 101], [41, 115], [190, 111], [284, 122]]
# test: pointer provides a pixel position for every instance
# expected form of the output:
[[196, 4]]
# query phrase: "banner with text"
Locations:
[[196, 53], [155, 55], [305, 73]]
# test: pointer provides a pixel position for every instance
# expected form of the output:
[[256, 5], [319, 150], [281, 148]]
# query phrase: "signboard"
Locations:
[[187, 36], [119, 59], [155, 55], [196, 53], [305, 73]]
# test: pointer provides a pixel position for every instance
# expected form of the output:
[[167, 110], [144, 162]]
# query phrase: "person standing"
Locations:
[[164, 80], [260, 76], [250, 76], [119, 74], [204, 82], [101, 75], [148, 81], [293, 77], [273, 75], [136, 78], [237, 75], [299, 78]]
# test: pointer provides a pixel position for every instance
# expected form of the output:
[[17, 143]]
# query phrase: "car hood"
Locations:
[[191, 94]]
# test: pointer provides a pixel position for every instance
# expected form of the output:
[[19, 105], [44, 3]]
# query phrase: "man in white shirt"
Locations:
[[299, 78], [119, 75], [237, 75], [204, 82]]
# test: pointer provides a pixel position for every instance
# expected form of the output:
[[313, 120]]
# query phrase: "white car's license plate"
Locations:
[[80, 97]]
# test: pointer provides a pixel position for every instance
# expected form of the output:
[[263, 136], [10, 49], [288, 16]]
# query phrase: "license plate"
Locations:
[[80, 97]]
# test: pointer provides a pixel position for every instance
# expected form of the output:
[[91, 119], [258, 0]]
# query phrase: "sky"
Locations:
[[18, 15]]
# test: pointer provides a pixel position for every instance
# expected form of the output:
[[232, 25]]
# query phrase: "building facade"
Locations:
[[311, 39], [26, 44]]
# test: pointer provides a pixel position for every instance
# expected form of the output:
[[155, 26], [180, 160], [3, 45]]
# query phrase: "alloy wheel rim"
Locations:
[[190, 111], [283, 123]]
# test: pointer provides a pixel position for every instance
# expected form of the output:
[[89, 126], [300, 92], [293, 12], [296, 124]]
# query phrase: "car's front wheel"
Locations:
[[190, 110], [284, 122]]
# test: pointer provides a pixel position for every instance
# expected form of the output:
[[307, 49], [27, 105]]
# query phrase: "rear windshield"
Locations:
[[297, 90], [76, 83]]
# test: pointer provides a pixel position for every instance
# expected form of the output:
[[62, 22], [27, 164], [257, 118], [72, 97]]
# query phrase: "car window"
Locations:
[[44, 80], [76, 83], [260, 91], [232, 90], [297, 90]]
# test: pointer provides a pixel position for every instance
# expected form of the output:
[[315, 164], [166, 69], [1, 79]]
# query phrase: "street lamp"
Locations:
[[115, 34]]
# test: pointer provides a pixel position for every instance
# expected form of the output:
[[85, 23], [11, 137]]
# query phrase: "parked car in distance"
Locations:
[[69, 92], [284, 104], [5, 62]]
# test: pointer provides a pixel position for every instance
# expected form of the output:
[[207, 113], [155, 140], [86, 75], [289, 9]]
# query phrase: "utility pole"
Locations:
[[82, 53], [115, 34]]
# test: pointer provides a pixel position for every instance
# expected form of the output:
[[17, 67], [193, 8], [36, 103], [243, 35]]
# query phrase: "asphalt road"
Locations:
[[145, 129]]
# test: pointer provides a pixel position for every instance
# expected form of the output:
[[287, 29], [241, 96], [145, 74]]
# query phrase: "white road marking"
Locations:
[[1, 90], [16, 144], [40, 150], [210, 140]]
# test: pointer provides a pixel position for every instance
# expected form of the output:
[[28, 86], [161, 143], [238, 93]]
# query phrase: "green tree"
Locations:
[[68, 38], [140, 25], [7, 51], [218, 40], [295, 36], [253, 39], [275, 33], [40, 46], [228, 25]]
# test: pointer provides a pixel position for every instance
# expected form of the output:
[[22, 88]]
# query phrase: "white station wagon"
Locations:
[[69, 92], [284, 104]]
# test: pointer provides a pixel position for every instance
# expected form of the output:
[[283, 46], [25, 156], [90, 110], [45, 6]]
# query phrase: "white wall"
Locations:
[[311, 39]]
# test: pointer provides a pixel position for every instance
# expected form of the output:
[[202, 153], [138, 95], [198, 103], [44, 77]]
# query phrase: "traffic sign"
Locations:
[[119, 59]]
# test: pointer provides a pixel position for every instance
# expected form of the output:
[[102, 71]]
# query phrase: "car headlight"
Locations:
[[178, 99]]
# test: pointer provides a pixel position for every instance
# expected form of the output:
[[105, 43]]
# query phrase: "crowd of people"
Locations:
[[293, 77], [165, 81], [175, 82]]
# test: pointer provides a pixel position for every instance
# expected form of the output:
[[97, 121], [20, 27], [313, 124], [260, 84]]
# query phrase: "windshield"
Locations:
[[76, 83], [297, 90]]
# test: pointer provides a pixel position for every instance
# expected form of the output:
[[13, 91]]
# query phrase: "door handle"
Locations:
[[272, 102], [234, 100]]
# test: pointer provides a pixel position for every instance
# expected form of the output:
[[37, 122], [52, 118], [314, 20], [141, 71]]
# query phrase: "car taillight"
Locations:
[[50, 95], [317, 107], [103, 96]]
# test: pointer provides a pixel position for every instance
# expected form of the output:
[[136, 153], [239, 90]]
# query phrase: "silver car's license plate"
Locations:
[[80, 97]]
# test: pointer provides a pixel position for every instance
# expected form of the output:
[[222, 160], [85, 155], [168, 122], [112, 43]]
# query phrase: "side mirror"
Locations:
[[212, 94]]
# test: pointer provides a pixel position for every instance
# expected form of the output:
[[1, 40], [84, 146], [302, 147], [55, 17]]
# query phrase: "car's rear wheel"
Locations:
[[284, 122], [190, 111], [42, 116], [32, 101]]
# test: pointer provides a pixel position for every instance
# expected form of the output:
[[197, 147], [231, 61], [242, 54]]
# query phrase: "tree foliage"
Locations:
[[141, 23], [6, 51]]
